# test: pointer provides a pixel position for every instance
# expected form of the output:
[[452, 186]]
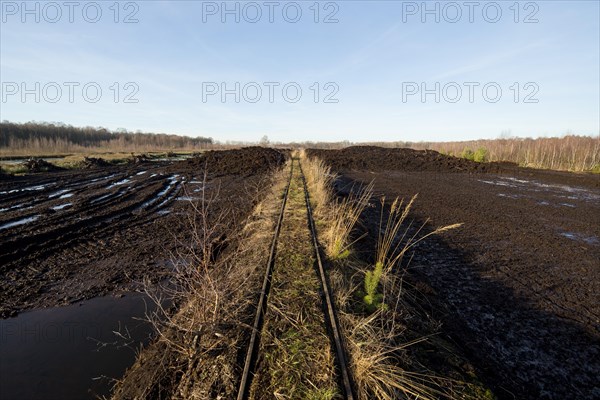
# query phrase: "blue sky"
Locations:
[[375, 61]]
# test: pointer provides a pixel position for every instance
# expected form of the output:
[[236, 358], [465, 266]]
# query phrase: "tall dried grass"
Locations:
[[340, 216]]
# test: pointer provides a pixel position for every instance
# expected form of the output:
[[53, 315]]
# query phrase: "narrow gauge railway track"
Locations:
[[330, 319], [252, 352]]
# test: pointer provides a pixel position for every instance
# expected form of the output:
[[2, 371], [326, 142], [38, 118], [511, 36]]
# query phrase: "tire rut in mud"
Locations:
[[124, 220]]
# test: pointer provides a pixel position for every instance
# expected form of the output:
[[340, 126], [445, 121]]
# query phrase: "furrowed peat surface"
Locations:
[[74, 235], [518, 285]]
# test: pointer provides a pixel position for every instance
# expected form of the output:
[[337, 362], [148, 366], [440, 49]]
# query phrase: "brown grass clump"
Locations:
[[340, 216]]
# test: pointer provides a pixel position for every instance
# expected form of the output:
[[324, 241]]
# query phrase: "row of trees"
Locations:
[[569, 153], [572, 153], [36, 137]]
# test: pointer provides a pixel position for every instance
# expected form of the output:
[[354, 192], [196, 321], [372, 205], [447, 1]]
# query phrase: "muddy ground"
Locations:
[[518, 285], [73, 235]]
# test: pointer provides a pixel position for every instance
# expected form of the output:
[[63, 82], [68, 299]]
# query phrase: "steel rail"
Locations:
[[331, 315], [251, 354]]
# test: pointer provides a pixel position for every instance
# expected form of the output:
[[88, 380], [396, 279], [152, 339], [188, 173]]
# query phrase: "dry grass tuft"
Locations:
[[393, 243], [340, 217]]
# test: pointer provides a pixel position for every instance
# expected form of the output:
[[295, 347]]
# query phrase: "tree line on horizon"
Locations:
[[570, 152], [567, 153], [44, 137]]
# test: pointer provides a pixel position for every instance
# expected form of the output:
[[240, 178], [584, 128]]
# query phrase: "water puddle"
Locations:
[[103, 197], [28, 189], [21, 221], [571, 192], [168, 199], [554, 190], [497, 183], [119, 183], [11, 207], [510, 196], [103, 178], [172, 182], [60, 207], [71, 352], [60, 192], [141, 173], [579, 237], [568, 205], [66, 196], [107, 196], [187, 198], [516, 180], [202, 188]]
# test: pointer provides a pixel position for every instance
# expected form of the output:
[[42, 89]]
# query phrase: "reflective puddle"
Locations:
[[71, 352], [21, 221], [119, 183], [60, 207], [579, 237]]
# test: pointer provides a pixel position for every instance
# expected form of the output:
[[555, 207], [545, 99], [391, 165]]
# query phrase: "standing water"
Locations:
[[71, 352]]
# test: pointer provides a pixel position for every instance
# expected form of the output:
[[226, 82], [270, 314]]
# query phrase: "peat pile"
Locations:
[[245, 161], [39, 165], [381, 159], [138, 159], [93, 162]]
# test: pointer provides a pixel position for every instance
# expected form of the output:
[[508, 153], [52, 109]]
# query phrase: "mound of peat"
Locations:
[[40, 165], [93, 162], [244, 161], [381, 159]]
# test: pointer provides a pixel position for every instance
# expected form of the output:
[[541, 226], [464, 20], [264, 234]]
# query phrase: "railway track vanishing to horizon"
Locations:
[[276, 264]]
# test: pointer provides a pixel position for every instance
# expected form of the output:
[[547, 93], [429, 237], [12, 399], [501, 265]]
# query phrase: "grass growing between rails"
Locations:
[[379, 314], [296, 360]]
